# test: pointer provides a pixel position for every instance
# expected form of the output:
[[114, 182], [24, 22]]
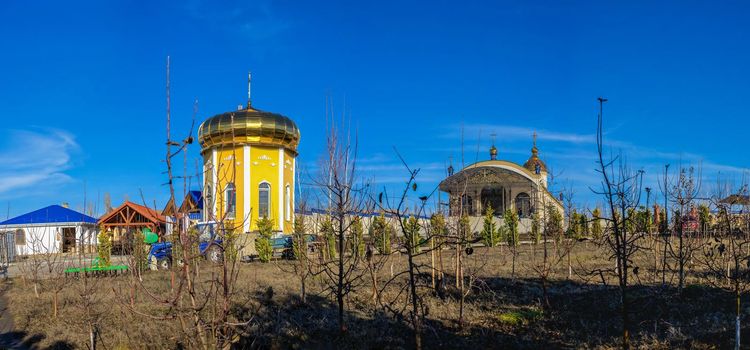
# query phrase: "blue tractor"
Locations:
[[209, 245]]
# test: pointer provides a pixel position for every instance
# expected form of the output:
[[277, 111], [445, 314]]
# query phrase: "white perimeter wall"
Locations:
[[42, 239]]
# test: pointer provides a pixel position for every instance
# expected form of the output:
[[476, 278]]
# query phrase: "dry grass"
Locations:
[[501, 311]]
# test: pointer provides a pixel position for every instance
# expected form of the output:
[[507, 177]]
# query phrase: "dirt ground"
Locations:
[[503, 309]]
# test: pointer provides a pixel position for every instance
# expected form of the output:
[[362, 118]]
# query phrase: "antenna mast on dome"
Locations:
[[249, 83]]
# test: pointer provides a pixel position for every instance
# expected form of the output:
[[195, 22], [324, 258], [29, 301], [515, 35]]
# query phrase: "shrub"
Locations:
[[464, 229], [229, 242], [536, 228], [511, 222], [438, 229], [380, 232], [358, 241], [583, 223], [554, 223], [411, 233], [298, 240], [596, 224], [326, 227], [489, 231], [105, 247], [263, 242], [140, 251]]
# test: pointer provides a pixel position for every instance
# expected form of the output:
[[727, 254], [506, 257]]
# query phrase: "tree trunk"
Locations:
[[664, 263], [570, 265], [623, 292], [737, 322], [625, 321], [416, 319], [340, 286], [458, 264], [682, 263], [441, 272], [544, 291], [432, 262], [374, 277], [54, 305], [513, 268], [92, 337], [461, 311]]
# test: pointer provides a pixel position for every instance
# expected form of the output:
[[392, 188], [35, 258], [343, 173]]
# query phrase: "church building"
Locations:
[[249, 168], [503, 185]]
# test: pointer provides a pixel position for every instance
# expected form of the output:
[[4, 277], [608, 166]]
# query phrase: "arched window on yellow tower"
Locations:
[[264, 199], [230, 195], [287, 204]]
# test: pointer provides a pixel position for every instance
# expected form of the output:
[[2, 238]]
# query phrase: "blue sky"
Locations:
[[82, 86]]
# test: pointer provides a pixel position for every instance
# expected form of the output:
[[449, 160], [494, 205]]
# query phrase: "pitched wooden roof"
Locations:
[[131, 214], [169, 209]]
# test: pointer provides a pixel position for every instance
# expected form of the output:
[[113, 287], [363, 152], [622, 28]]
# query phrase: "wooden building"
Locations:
[[125, 220]]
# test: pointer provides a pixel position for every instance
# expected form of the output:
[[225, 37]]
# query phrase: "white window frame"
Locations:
[[268, 199]]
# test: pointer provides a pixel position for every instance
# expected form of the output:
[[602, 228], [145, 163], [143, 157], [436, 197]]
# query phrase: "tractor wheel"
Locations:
[[288, 254], [164, 264], [215, 254]]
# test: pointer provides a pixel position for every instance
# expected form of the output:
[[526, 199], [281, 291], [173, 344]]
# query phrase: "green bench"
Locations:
[[96, 269]]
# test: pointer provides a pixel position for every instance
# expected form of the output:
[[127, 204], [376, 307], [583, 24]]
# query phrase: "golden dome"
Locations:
[[534, 160], [493, 152], [249, 126]]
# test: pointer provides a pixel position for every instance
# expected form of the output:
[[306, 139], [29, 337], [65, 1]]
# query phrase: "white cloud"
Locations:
[[511, 132], [35, 158]]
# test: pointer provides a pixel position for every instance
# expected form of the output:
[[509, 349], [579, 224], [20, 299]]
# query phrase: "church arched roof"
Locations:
[[481, 171], [493, 171]]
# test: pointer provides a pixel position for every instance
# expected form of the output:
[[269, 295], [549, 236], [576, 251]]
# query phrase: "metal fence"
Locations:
[[7, 248]]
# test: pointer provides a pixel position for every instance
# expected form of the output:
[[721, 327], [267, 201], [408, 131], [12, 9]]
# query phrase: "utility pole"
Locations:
[[648, 210], [666, 228]]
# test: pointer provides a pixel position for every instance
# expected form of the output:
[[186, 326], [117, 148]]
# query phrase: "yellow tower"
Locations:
[[249, 161]]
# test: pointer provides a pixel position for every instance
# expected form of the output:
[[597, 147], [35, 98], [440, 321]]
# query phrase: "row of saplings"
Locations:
[[382, 233]]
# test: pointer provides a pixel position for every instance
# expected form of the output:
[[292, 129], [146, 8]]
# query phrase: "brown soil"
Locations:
[[502, 311]]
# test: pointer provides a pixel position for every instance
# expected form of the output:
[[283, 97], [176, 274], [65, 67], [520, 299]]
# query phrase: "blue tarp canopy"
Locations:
[[51, 214], [197, 197]]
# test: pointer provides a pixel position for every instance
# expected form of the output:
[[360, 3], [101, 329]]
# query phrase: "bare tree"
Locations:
[[621, 189], [410, 227], [204, 301], [726, 256], [664, 229], [39, 255], [683, 194], [346, 195]]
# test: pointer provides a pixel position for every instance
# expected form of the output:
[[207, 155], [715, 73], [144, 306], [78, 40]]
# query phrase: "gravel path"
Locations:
[[9, 338]]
